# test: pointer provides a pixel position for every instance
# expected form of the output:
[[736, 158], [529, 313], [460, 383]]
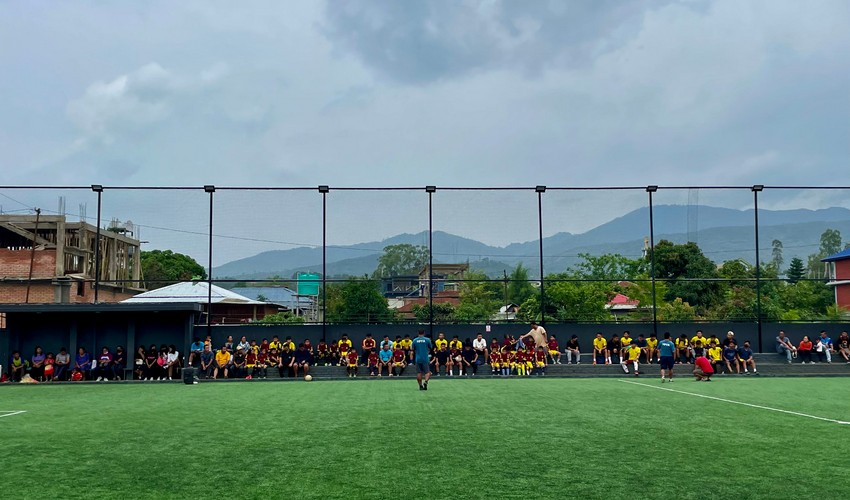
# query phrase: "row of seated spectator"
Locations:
[[822, 347], [49, 367], [163, 363]]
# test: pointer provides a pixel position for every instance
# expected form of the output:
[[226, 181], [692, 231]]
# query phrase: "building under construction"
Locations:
[[47, 259]]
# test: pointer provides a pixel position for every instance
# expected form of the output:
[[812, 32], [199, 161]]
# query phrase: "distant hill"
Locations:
[[722, 233]]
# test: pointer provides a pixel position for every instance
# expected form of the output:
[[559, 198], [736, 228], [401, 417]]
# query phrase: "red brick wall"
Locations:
[[42, 293], [16, 263]]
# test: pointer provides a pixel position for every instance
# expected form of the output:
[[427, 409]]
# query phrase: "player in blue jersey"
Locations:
[[421, 357], [666, 357]]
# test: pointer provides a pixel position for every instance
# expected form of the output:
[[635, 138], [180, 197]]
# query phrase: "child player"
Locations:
[[554, 351], [495, 361], [399, 361], [651, 348], [351, 358], [508, 363], [372, 363], [540, 361], [631, 355], [600, 350]]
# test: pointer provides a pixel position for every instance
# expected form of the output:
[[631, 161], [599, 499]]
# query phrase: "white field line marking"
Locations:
[[789, 412], [11, 413]]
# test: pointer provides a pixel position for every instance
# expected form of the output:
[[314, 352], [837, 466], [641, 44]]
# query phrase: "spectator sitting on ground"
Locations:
[[702, 369], [385, 357], [37, 364], [572, 350], [82, 362], [304, 359], [784, 346], [746, 356], [730, 357], [804, 350], [195, 351], [104, 365], [63, 361], [17, 367], [238, 363], [825, 350], [715, 356], [207, 358], [222, 363]]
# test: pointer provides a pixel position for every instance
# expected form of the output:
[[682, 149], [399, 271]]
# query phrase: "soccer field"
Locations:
[[489, 438]]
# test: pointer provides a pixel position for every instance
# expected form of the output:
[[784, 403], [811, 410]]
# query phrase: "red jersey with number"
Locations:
[[352, 357], [368, 343], [553, 345]]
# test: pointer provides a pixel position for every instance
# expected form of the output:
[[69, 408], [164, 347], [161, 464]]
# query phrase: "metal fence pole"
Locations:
[[540, 190], [756, 190], [97, 188], [211, 190], [650, 190], [324, 190], [431, 190]]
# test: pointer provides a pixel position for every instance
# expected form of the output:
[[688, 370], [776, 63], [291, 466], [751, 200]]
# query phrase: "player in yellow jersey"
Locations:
[[455, 343], [441, 341], [495, 361], [631, 355], [508, 363], [683, 350], [651, 348], [715, 356], [600, 350], [625, 342]]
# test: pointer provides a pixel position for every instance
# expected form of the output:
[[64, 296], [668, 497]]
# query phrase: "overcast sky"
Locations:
[[450, 93]]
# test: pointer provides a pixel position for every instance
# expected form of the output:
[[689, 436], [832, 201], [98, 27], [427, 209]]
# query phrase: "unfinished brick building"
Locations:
[[47, 259]]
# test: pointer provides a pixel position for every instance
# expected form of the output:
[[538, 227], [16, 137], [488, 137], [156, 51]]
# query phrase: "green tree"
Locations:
[[401, 259], [776, 254], [443, 312], [608, 267], [357, 301], [478, 298], [163, 267], [676, 310], [688, 274], [805, 299], [519, 285], [569, 301], [830, 242], [284, 317], [796, 270]]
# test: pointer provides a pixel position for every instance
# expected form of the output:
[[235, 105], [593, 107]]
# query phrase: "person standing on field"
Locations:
[[666, 357], [421, 356], [538, 336]]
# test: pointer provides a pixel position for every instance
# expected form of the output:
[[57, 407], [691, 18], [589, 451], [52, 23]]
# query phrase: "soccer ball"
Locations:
[[308, 378]]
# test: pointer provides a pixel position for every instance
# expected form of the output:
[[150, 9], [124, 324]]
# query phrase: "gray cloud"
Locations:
[[421, 42]]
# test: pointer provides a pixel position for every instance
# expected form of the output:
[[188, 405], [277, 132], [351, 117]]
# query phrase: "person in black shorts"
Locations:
[[421, 347], [666, 357]]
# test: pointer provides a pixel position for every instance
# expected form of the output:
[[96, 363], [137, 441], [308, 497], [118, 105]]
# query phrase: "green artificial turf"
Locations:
[[489, 438]]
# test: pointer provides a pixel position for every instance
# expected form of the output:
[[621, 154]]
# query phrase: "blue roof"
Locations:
[[844, 254], [279, 295]]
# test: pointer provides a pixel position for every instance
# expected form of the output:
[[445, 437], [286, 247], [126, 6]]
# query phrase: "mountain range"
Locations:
[[722, 233]]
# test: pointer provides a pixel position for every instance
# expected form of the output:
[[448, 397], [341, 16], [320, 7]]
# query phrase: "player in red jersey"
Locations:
[[399, 361], [495, 360], [368, 344], [333, 353], [351, 356], [322, 352], [372, 363], [554, 350], [540, 361]]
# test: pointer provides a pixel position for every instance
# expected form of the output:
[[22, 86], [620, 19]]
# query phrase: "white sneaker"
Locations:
[[99, 379], [169, 378]]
